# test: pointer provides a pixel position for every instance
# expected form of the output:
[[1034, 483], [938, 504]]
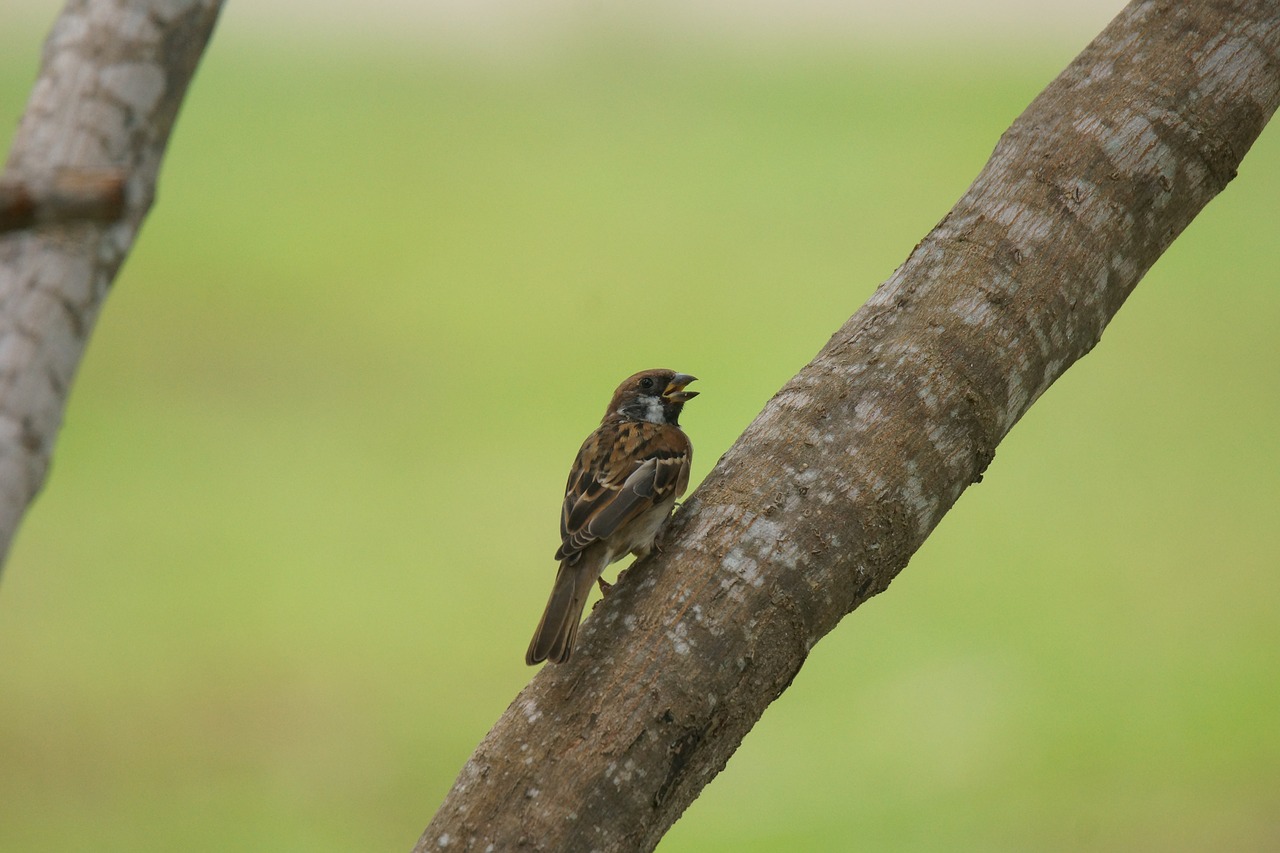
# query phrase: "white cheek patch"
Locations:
[[647, 408], [654, 411]]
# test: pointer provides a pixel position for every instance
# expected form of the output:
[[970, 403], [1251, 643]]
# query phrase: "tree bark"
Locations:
[[830, 490], [113, 76]]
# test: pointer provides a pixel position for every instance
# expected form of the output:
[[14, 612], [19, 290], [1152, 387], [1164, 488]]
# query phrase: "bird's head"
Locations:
[[656, 396]]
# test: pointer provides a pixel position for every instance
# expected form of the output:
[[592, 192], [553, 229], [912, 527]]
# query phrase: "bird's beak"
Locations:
[[675, 392]]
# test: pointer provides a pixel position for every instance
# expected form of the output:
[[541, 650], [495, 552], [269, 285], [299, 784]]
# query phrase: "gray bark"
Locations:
[[113, 76], [838, 481]]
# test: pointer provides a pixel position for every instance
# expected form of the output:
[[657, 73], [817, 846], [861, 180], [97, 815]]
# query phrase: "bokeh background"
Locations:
[[300, 518]]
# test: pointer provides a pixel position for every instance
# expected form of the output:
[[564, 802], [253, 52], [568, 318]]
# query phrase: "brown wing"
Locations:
[[623, 469]]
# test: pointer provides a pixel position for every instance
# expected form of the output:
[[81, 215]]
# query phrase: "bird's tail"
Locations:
[[553, 640]]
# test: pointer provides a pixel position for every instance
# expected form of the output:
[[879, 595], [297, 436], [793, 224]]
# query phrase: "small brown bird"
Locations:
[[621, 490]]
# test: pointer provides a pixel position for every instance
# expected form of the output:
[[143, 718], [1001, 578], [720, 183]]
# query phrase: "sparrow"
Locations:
[[621, 490]]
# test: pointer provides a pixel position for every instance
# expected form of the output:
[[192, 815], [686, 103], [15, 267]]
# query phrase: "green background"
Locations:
[[300, 519]]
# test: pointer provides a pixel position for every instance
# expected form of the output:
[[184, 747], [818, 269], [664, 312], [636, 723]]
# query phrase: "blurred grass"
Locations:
[[301, 514]]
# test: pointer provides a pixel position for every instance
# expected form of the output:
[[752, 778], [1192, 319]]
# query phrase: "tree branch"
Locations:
[[113, 76], [74, 195], [833, 487]]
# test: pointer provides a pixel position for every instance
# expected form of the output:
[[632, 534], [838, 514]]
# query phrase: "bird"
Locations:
[[622, 487]]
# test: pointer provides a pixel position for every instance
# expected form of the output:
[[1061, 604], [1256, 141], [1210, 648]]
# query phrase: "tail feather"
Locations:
[[553, 641]]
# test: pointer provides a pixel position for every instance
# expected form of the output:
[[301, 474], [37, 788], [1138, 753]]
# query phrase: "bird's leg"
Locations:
[[661, 538], [605, 589]]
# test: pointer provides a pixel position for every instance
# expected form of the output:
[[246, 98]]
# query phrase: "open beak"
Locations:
[[675, 392]]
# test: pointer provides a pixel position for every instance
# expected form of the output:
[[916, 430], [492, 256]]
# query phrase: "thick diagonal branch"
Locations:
[[831, 489], [113, 76]]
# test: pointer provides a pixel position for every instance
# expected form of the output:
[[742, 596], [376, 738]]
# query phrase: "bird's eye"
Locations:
[[646, 383]]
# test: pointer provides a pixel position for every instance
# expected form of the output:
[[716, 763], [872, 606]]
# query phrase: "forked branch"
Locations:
[[79, 180]]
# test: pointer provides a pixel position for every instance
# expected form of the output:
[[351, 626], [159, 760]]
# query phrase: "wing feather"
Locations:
[[622, 470]]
